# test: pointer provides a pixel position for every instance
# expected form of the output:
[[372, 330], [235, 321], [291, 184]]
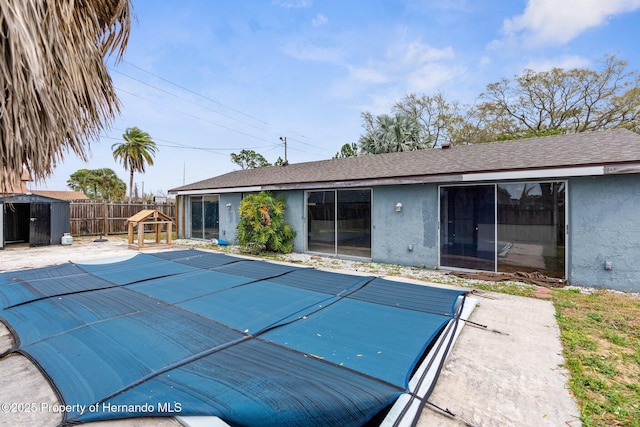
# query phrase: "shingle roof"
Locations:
[[61, 194], [611, 147]]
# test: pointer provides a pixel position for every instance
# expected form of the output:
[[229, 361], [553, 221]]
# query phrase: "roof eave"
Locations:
[[496, 175]]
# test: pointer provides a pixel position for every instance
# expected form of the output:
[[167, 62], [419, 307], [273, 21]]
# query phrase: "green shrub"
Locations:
[[262, 227]]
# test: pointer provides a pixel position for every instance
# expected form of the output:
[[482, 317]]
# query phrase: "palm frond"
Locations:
[[58, 95]]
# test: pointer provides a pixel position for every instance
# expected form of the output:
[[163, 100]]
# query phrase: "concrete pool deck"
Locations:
[[509, 374]]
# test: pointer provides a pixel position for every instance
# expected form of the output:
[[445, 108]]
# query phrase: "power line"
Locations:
[[191, 147], [194, 116], [288, 132], [186, 100], [195, 93]]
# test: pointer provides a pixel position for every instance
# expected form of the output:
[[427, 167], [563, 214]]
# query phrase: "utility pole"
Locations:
[[285, 149]]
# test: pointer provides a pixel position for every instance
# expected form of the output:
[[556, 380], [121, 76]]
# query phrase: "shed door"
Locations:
[[40, 224]]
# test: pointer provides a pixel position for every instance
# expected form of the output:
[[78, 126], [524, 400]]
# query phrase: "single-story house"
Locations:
[[567, 206]]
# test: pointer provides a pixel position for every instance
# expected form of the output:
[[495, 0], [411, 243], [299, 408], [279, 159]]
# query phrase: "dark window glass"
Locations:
[[354, 223], [205, 217], [321, 222], [531, 224], [467, 227], [196, 218], [211, 218]]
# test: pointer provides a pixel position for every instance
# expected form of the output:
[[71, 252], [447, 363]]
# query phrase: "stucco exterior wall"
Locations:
[[604, 226], [228, 218], [408, 237], [295, 216], [603, 219]]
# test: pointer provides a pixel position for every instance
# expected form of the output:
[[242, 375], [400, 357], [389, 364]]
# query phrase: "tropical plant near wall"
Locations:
[[57, 93], [262, 227]]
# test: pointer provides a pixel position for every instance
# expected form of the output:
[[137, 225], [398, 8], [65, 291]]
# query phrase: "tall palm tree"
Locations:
[[135, 152], [57, 94]]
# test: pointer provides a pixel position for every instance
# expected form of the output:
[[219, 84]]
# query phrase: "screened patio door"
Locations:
[[205, 217], [505, 227], [339, 222], [467, 232]]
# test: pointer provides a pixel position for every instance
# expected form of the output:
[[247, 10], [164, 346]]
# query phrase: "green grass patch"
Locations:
[[599, 332]]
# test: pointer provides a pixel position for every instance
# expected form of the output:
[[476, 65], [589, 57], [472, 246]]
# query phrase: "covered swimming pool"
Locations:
[[194, 333]]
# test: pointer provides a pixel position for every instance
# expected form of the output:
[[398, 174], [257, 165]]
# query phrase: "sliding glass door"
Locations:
[[467, 232], [197, 231], [531, 227], [321, 221], [354, 223], [205, 217], [504, 227], [339, 222]]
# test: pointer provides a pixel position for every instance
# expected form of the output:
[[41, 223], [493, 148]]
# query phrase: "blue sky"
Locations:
[[207, 78]]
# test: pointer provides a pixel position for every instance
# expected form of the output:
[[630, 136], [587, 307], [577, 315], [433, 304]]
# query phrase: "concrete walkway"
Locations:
[[510, 374]]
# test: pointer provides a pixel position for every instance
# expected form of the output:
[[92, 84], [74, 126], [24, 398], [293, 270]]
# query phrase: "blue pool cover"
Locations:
[[196, 333]]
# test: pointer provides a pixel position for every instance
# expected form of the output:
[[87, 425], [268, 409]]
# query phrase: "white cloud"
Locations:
[[368, 75], [292, 4], [566, 62], [431, 77], [546, 22], [485, 61], [307, 51], [319, 20], [411, 67], [416, 53]]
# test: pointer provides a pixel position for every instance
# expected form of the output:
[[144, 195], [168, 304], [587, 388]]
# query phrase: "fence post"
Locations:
[[106, 218]]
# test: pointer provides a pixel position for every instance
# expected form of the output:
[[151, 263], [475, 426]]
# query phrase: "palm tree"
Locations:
[[135, 152], [57, 92], [390, 134]]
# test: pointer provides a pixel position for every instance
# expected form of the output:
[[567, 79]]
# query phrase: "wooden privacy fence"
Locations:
[[91, 218]]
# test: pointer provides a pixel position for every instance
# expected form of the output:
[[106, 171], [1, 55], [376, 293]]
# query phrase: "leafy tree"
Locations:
[[533, 104], [565, 101], [81, 180], [249, 159], [107, 185], [135, 152], [439, 119], [57, 93], [262, 226], [101, 184], [389, 134], [347, 150]]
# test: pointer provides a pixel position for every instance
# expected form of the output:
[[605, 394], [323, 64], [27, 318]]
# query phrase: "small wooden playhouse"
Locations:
[[152, 217]]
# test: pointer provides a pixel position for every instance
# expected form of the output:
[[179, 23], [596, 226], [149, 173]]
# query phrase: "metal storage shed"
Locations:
[[33, 219]]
